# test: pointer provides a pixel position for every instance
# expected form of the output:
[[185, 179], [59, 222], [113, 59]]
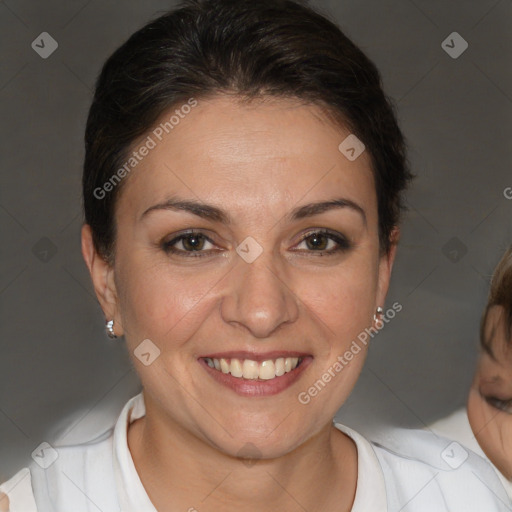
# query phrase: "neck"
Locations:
[[182, 472]]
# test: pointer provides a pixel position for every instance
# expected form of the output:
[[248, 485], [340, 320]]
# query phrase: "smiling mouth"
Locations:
[[254, 370]]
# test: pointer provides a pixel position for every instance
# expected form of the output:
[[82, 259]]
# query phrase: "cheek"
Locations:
[[493, 431], [341, 304], [156, 301], [483, 418], [343, 299]]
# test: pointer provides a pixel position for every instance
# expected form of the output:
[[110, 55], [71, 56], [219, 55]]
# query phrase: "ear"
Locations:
[[386, 266], [102, 275]]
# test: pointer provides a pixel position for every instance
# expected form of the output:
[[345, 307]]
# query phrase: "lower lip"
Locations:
[[255, 387]]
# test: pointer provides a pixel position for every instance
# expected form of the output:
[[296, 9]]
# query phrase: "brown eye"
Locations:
[[188, 244], [193, 242], [317, 241], [325, 242]]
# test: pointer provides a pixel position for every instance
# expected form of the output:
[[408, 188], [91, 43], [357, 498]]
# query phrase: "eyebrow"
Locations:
[[210, 212]]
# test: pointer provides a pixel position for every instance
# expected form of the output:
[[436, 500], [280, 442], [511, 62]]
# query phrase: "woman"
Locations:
[[485, 425], [242, 189]]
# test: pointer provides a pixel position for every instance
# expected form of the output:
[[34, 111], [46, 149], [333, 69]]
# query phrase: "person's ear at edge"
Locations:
[[386, 262], [102, 275]]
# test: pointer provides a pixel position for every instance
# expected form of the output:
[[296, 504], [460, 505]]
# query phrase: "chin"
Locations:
[[254, 450], [257, 443]]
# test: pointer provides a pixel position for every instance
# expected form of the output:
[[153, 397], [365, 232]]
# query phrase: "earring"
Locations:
[[379, 312], [110, 329]]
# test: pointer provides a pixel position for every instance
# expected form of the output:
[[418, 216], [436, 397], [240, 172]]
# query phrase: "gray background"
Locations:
[[59, 374]]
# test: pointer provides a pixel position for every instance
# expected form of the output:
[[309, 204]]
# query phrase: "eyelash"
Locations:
[[343, 244], [501, 405]]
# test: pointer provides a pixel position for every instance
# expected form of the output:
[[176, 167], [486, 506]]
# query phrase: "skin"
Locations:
[[4, 502], [257, 162], [491, 423]]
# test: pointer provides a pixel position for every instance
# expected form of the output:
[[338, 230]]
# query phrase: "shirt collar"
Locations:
[[371, 486], [370, 490], [131, 493]]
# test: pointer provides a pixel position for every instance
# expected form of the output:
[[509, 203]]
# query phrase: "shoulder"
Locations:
[[454, 421], [61, 476], [456, 426], [423, 467]]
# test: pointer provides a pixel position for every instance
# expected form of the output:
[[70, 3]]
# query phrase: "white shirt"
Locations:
[[456, 426], [409, 474]]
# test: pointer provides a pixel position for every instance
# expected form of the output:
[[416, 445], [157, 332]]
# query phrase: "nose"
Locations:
[[258, 297]]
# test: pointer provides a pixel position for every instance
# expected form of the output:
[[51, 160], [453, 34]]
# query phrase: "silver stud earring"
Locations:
[[110, 329], [379, 312]]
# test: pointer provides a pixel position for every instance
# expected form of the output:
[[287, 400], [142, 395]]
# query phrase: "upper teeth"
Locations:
[[249, 369]]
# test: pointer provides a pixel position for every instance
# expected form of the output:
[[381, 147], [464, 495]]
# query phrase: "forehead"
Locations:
[[267, 152]]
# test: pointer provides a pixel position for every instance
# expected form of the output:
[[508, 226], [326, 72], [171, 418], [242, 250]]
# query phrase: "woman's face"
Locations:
[[490, 396], [256, 281]]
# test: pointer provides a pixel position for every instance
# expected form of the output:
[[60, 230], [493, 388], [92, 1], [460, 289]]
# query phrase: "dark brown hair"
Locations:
[[500, 294], [251, 49]]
